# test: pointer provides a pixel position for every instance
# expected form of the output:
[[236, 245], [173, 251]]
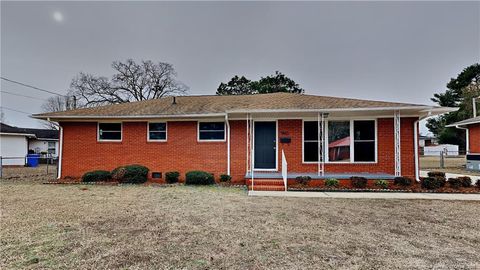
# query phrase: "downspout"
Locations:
[[467, 139], [228, 143], [60, 153], [415, 143]]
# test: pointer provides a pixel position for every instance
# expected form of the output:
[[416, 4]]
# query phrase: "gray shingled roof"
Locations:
[[194, 105]]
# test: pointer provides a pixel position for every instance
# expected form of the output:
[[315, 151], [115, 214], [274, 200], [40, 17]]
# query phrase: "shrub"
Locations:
[[436, 174], [225, 178], [199, 178], [381, 183], [359, 182], [478, 183], [332, 182], [171, 177], [96, 176], [133, 174], [454, 182], [402, 181], [432, 182], [466, 181], [303, 180]]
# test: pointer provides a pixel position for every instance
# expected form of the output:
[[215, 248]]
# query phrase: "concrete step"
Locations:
[[265, 182], [266, 188]]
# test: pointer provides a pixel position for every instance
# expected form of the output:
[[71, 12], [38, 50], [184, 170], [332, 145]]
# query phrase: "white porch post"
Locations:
[[247, 144], [320, 145], [397, 129], [252, 168]]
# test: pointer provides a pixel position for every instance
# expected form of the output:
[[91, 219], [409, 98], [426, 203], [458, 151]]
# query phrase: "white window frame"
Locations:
[[109, 140], [148, 131], [213, 140], [352, 145], [352, 142], [303, 142]]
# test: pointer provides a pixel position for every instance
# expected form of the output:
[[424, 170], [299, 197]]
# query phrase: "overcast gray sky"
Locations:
[[394, 51]]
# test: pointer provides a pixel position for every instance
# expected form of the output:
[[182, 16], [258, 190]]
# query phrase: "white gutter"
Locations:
[[60, 154], [127, 116], [228, 144], [17, 134]]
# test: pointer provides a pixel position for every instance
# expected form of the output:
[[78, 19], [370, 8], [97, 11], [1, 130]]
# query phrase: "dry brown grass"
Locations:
[[152, 227]]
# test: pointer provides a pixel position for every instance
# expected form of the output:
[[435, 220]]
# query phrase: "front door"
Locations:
[[265, 145]]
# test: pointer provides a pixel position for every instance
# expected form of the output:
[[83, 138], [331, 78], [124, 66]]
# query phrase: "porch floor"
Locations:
[[278, 175]]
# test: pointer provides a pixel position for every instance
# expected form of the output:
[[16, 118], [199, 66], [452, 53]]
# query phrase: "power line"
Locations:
[[20, 95], [30, 86], [10, 109]]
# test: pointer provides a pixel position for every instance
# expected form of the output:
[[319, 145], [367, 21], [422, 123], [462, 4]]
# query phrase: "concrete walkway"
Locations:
[[369, 195]]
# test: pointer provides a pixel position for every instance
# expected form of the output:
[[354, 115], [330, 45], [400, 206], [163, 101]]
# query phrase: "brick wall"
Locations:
[[474, 138], [182, 152]]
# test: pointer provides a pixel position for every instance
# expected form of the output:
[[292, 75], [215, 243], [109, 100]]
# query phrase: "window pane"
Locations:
[[364, 151], [364, 130], [110, 126], [157, 126], [212, 126], [211, 135], [339, 141], [108, 135], [310, 131], [310, 151], [158, 135]]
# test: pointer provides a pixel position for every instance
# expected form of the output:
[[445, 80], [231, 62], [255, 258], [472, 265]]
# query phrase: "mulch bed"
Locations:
[[416, 188]]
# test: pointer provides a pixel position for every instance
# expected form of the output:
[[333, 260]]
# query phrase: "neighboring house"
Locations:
[[427, 141], [16, 143], [444, 149], [472, 128], [257, 137]]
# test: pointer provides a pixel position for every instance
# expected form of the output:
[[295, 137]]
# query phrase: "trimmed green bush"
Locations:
[[466, 181], [303, 180], [432, 182], [436, 174], [454, 182], [199, 178], [402, 181], [478, 183], [332, 182], [172, 177], [381, 183], [225, 178], [96, 176], [359, 182], [132, 174]]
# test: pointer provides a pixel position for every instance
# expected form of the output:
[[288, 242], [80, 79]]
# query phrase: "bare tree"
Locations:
[[53, 104], [131, 82]]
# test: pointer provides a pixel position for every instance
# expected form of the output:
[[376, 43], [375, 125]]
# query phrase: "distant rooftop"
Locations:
[[39, 133]]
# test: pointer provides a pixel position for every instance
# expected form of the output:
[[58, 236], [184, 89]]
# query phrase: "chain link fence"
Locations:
[[453, 162], [35, 167]]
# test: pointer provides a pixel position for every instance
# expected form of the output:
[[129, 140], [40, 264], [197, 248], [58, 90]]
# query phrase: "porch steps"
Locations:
[[266, 185]]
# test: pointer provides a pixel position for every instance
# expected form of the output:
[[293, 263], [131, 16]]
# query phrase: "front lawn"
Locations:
[[151, 227]]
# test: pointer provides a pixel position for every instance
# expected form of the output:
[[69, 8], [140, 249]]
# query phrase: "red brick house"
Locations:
[[251, 137], [472, 129]]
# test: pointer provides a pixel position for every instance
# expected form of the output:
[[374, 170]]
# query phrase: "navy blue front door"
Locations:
[[265, 145]]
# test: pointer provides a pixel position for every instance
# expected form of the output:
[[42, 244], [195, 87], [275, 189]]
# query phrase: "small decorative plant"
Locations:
[[332, 182], [172, 177], [402, 181], [381, 183], [225, 178], [303, 180], [359, 182]]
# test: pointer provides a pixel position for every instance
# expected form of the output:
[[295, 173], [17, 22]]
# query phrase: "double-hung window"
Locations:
[[157, 131], [339, 141], [364, 140], [311, 140], [211, 131], [109, 131]]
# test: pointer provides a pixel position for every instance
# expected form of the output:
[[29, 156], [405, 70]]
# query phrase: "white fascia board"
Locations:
[[17, 134]]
